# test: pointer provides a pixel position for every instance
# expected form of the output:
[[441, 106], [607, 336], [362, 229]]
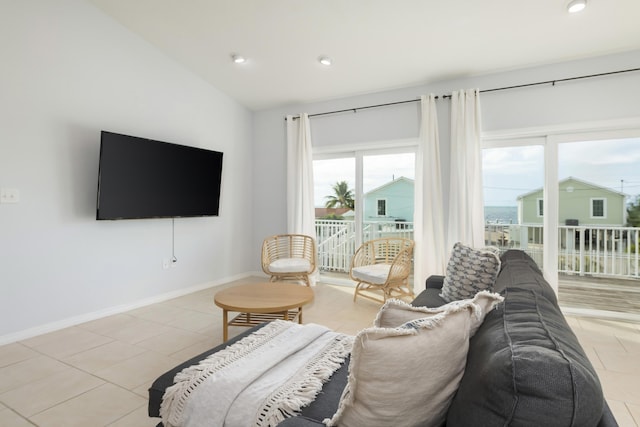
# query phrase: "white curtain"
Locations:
[[300, 205], [465, 213], [430, 252]]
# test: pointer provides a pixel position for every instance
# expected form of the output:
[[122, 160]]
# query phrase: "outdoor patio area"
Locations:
[[612, 297], [599, 267]]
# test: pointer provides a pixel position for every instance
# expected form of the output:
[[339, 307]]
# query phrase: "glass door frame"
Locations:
[[359, 152], [550, 138]]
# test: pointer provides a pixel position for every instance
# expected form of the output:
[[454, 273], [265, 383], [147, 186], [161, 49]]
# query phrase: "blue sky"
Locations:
[[378, 170], [508, 172]]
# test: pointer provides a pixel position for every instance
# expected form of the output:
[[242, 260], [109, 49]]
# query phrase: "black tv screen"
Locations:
[[144, 178]]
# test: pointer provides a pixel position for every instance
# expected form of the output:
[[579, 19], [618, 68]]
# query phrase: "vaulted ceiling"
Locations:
[[375, 45]]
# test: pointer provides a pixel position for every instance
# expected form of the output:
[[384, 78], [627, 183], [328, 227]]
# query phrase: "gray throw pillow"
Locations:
[[469, 271]]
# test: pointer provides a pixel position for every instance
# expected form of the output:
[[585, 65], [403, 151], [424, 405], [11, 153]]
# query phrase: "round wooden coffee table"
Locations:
[[262, 302]]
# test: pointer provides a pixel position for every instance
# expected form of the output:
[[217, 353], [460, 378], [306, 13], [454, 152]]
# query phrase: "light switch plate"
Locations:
[[9, 195]]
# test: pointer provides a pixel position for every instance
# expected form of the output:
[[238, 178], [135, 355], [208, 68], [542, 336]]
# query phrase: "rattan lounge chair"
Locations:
[[383, 265], [289, 256]]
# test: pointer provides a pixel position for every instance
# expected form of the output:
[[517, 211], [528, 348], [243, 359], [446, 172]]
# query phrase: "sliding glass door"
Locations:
[[599, 190], [360, 196], [572, 202]]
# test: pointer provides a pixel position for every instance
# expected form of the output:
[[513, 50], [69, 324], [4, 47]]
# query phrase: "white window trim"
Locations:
[[604, 208], [370, 148]]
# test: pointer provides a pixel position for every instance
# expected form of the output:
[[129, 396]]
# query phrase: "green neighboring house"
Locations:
[[392, 201], [581, 203]]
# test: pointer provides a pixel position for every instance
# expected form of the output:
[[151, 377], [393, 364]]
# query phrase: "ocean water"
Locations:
[[501, 214]]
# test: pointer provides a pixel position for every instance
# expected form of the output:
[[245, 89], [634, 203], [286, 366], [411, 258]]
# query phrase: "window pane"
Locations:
[[335, 226], [540, 207], [387, 209], [597, 180], [513, 179], [388, 186], [598, 208], [598, 246], [327, 174]]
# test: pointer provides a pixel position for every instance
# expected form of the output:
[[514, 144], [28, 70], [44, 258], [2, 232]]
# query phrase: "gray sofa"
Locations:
[[525, 367]]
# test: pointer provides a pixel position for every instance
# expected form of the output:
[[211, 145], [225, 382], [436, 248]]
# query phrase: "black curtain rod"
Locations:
[[547, 82]]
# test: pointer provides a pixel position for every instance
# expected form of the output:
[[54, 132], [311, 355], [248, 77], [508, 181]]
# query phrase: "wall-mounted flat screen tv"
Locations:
[[144, 178]]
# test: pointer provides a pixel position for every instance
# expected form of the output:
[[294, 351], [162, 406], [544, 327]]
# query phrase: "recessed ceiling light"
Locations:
[[238, 59], [576, 5], [325, 60]]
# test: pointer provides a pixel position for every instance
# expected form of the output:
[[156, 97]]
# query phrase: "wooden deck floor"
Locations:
[[595, 293], [606, 295]]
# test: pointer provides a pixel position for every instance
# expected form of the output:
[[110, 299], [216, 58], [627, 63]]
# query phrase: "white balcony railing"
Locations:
[[583, 250], [337, 243]]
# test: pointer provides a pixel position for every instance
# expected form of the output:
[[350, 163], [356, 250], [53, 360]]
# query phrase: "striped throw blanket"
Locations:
[[260, 380]]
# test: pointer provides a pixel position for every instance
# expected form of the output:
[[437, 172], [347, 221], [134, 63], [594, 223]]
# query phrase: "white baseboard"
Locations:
[[110, 311]]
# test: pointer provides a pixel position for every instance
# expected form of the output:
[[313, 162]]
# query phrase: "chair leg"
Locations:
[[364, 289], [355, 293]]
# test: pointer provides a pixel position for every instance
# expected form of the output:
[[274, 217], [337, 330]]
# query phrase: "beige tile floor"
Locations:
[[97, 373]]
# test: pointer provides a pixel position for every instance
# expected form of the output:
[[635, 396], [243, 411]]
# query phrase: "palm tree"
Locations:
[[343, 197]]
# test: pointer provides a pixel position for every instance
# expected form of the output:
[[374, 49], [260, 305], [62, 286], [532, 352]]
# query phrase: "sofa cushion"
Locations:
[[525, 367], [429, 298], [469, 271], [414, 348], [327, 401], [520, 271]]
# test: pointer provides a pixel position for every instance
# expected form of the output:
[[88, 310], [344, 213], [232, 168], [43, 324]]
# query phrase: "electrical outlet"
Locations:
[[9, 195], [165, 264]]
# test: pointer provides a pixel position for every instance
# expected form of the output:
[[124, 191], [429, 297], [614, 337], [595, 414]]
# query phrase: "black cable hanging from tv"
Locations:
[[546, 82], [173, 241]]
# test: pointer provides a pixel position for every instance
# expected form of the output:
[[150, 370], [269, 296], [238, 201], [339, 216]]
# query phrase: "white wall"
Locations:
[[68, 71], [579, 101]]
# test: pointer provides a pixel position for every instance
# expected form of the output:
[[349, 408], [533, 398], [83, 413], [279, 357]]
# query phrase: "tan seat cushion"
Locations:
[[290, 265], [376, 273]]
